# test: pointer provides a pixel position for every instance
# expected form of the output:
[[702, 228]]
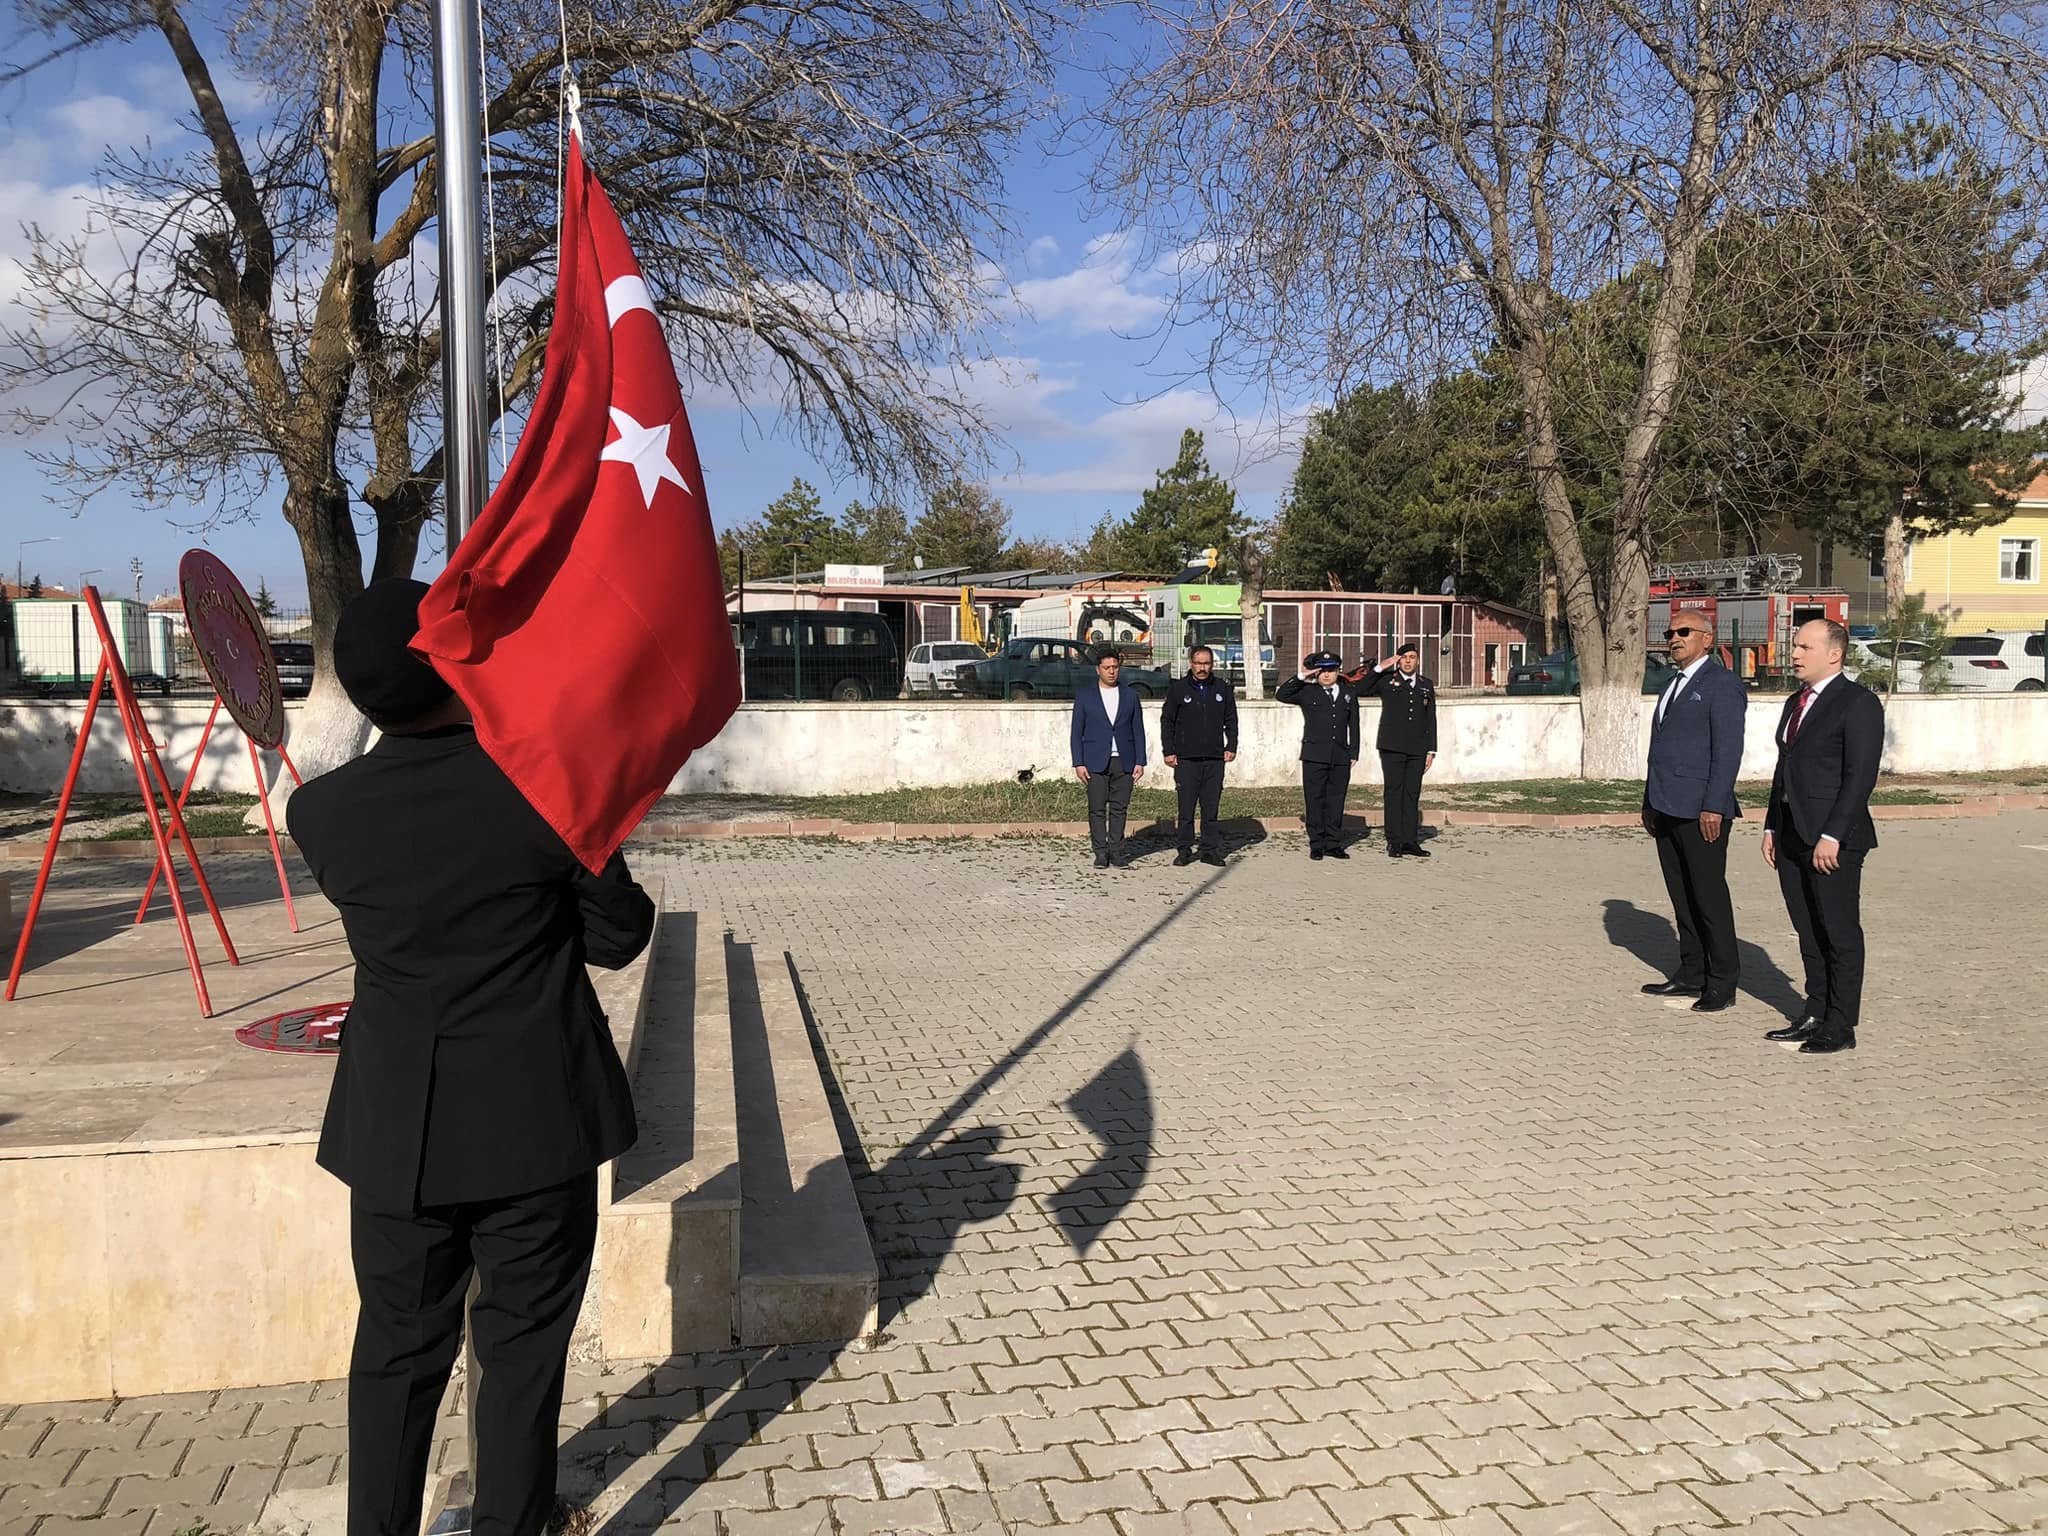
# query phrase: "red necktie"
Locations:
[[1798, 714]]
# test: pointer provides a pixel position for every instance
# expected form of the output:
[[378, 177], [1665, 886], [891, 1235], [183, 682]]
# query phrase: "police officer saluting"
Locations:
[[1329, 747], [1198, 735], [1407, 744]]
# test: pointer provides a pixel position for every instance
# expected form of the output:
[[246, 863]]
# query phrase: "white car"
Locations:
[[934, 667], [1997, 661], [1871, 662]]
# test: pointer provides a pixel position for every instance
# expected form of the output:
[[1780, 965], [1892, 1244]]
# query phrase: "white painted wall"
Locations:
[[795, 749]]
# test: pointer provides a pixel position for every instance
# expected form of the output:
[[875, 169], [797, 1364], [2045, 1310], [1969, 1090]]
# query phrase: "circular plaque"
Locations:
[[233, 646]]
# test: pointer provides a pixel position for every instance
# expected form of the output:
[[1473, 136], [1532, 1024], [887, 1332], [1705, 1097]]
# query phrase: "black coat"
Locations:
[[1198, 719], [475, 1062], [1824, 778], [1407, 710], [1329, 729]]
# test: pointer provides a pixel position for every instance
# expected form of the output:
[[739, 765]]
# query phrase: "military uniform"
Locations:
[[1197, 725], [1407, 739], [1329, 746]]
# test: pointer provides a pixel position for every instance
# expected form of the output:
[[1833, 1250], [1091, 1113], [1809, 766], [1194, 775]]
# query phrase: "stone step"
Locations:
[[807, 1271], [667, 1270]]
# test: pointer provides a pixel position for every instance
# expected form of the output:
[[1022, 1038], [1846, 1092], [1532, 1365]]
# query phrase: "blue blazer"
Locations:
[[1696, 749], [1090, 735]]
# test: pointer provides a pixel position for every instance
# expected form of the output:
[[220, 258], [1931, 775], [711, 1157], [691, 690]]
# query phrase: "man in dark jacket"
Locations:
[[1688, 801], [1197, 736], [478, 1088], [1818, 831], [1107, 736], [1407, 745], [1329, 748]]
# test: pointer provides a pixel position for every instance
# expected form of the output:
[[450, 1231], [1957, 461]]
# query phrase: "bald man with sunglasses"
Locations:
[[1688, 802]]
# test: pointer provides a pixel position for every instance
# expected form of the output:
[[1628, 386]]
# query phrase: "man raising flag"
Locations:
[[533, 704]]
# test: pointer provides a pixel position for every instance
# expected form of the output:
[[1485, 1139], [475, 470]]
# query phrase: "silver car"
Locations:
[[934, 667]]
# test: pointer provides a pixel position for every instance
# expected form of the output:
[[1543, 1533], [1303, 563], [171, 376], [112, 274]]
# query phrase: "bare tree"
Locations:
[[1383, 188], [814, 193]]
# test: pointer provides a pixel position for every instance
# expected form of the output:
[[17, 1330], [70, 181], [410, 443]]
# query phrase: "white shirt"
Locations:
[[1683, 680], [1112, 700]]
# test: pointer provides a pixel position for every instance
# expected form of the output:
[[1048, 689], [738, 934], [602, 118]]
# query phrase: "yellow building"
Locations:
[[1989, 579]]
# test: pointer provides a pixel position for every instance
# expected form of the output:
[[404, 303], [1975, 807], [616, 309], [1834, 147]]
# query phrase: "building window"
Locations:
[[1877, 560], [2019, 560]]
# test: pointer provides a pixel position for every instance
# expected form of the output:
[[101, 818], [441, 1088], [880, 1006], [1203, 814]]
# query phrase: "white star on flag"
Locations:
[[646, 449]]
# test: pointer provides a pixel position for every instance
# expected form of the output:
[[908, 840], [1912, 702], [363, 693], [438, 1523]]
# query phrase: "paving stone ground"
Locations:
[[1328, 1197]]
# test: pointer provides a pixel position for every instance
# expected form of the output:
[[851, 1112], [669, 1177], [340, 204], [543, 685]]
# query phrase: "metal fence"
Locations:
[[50, 649]]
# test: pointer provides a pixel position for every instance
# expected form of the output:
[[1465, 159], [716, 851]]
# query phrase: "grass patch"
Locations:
[[204, 821], [1912, 796]]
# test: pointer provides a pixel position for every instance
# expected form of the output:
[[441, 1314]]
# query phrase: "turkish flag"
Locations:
[[582, 619]]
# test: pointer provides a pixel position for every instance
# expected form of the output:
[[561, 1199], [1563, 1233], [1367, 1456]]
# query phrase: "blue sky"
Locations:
[[1089, 397]]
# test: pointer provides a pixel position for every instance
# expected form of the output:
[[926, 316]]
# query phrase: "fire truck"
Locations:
[[1756, 602]]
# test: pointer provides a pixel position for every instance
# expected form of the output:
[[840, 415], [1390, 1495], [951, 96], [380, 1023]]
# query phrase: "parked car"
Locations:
[[1558, 673], [1048, 669], [294, 667], [1871, 662], [933, 668], [817, 654], [1997, 661]]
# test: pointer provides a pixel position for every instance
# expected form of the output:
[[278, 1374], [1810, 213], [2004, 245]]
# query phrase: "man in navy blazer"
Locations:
[[1688, 801], [1818, 831], [1108, 739]]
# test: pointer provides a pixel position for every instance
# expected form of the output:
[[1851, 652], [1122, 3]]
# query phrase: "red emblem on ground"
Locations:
[[233, 646], [314, 1030]]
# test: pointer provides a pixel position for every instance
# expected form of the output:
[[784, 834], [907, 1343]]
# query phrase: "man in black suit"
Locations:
[[1818, 831], [478, 1087], [1407, 744], [1688, 801], [1329, 748], [1197, 736]]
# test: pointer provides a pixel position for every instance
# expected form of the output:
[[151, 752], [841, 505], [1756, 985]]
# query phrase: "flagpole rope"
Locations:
[[483, 70]]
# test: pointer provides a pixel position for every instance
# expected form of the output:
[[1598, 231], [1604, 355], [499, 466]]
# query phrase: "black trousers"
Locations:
[[1696, 879], [1827, 911], [1109, 801], [1402, 772], [1199, 782], [531, 1257], [1323, 788]]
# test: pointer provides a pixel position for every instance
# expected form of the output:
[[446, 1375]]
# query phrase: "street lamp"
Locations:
[[48, 538], [83, 574]]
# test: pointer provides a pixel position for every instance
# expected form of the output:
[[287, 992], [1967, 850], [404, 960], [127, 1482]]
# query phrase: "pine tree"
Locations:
[[963, 525], [1188, 509]]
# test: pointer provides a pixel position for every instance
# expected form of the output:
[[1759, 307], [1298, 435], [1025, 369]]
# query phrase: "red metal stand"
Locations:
[[270, 826], [164, 820]]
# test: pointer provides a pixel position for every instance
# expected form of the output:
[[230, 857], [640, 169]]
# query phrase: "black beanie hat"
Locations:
[[384, 679]]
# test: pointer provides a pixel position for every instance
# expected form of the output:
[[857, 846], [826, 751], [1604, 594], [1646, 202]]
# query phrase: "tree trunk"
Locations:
[[1611, 715], [1250, 601], [1551, 603], [327, 731], [1894, 562]]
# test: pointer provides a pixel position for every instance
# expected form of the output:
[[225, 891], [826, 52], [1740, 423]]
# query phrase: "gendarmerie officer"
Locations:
[[1197, 736], [478, 1088], [1329, 747], [1407, 743]]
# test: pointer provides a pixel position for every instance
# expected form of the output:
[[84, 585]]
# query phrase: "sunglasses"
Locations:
[[1673, 634]]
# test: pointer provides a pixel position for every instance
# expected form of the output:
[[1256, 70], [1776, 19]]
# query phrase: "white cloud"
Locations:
[[111, 122], [1041, 253], [1135, 440], [1107, 292]]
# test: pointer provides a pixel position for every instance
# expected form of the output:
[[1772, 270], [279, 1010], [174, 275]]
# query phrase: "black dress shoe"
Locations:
[[1416, 851], [1827, 1045], [1213, 858], [1315, 853], [1714, 1004], [1337, 853], [1182, 859], [1798, 1031], [1395, 853], [1102, 861], [1669, 989], [1120, 859]]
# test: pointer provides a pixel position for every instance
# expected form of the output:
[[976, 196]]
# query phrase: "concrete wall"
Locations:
[[793, 749]]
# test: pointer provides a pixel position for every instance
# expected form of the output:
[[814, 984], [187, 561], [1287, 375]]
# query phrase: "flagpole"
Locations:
[[458, 112], [458, 175]]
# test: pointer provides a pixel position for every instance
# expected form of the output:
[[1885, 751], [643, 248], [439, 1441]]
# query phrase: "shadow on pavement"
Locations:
[[1652, 939]]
